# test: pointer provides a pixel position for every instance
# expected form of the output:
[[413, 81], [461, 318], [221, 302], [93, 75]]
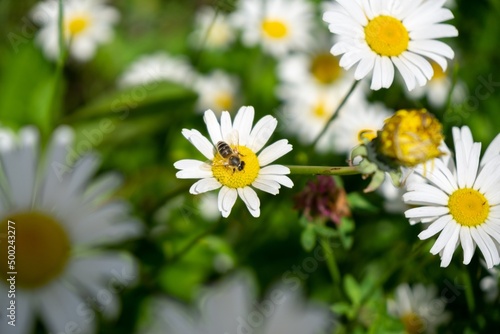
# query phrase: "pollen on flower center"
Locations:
[[387, 36], [413, 323], [77, 24], [42, 248], [411, 137], [468, 207], [366, 134], [274, 29], [325, 68], [230, 176]]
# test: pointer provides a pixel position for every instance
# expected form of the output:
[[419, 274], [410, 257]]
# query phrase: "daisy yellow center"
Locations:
[[411, 137], [319, 110], [468, 207], [274, 29], [77, 24], [366, 134], [325, 68], [40, 249], [438, 72], [230, 176], [413, 323], [224, 101], [387, 36]]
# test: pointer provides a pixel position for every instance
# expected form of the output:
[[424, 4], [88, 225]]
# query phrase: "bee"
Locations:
[[232, 156]]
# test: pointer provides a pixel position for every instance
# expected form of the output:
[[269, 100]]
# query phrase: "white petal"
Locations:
[[426, 211], [449, 249], [274, 152], [274, 169], [482, 246], [60, 306], [492, 151], [226, 126], [282, 179], [204, 185], [268, 186], [213, 126], [425, 198], [435, 227], [251, 200], [226, 200], [261, 133], [444, 237], [200, 142], [467, 244], [243, 124]]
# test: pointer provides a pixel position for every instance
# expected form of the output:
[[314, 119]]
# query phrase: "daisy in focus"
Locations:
[[419, 308], [87, 23], [279, 26], [61, 218], [461, 201], [212, 29], [234, 165], [230, 307], [379, 36], [217, 91], [158, 67], [438, 89]]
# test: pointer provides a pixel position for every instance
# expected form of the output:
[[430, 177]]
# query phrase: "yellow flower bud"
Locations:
[[411, 137]]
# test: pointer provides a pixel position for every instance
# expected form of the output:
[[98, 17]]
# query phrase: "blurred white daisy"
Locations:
[[212, 29], [419, 308], [61, 218], [461, 200], [489, 283], [230, 307], [249, 169], [87, 23], [380, 35], [279, 26], [308, 108], [355, 123], [438, 88], [208, 207], [158, 67], [218, 91]]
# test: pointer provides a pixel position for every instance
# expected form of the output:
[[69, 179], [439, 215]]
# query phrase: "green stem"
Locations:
[[469, 293], [323, 170], [335, 113], [330, 261]]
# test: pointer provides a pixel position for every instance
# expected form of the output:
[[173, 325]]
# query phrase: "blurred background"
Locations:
[[133, 118]]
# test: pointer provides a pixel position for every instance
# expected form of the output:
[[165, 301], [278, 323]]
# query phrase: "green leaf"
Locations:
[[308, 238], [359, 202], [352, 289], [141, 100], [346, 228]]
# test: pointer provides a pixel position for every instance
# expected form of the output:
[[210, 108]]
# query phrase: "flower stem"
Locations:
[[330, 261], [324, 170], [335, 113]]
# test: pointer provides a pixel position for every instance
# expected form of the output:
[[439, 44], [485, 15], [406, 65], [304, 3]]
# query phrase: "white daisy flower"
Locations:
[[87, 23], [438, 88], [218, 91], [249, 169], [207, 207], [212, 29], [230, 307], [461, 200], [158, 67], [380, 35], [60, 219], [419, 308], [279, 26], [354, 123]]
